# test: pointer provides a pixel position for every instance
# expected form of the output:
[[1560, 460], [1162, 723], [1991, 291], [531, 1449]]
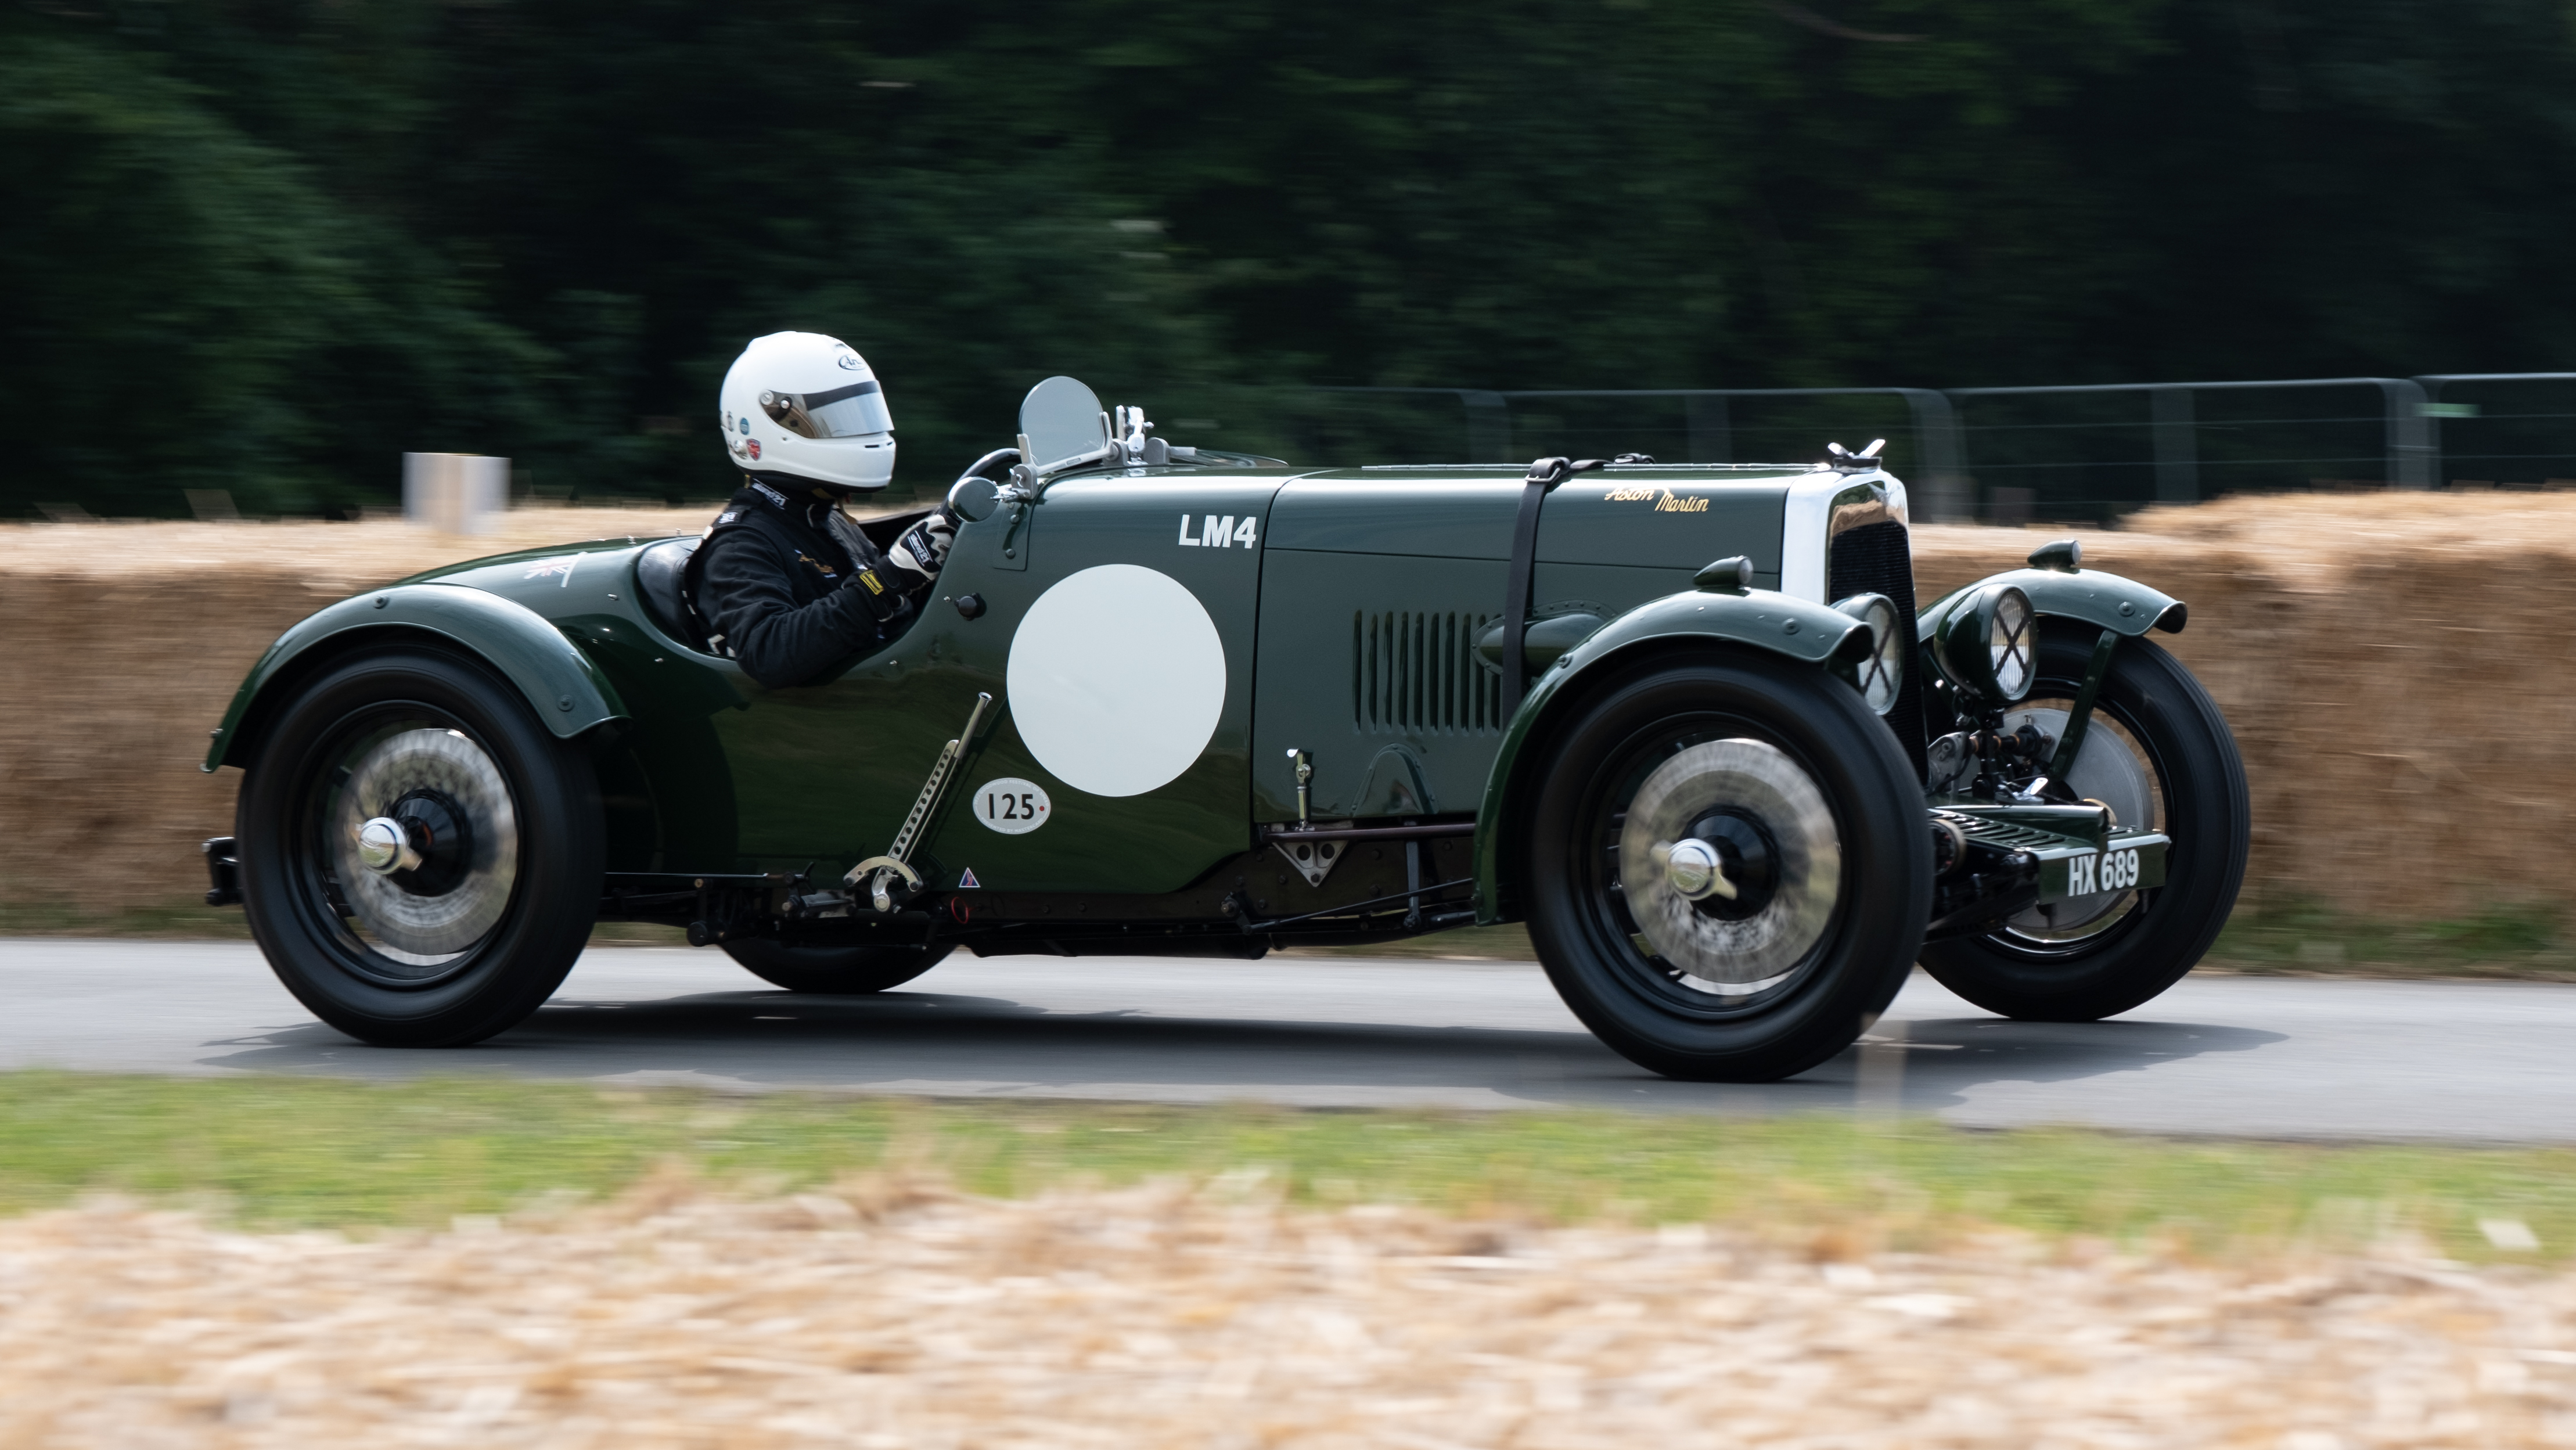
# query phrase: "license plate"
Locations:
[[2102, 871], [2127, 865]]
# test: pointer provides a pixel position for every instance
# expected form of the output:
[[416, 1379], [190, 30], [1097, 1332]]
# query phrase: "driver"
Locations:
[[783, 581]]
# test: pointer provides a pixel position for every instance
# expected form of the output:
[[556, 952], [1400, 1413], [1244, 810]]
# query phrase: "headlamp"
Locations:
[[1984, 644], [1883, 673]]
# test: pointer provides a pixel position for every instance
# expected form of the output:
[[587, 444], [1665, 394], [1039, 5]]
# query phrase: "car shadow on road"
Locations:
[[970, 1045], [1927, 1065]]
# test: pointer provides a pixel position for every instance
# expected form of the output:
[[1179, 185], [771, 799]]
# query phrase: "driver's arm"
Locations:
[[778, 642]]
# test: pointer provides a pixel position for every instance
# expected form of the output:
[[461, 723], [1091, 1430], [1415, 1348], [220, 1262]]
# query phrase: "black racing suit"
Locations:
[[789, 587]]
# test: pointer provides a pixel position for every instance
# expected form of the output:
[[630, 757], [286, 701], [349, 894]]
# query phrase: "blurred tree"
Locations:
[[166, 278], [268, 244], [2316, 189]]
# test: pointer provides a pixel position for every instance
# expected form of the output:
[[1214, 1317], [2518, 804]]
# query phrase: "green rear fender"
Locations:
[[1760, 619], [2124, 606], [562, 685]]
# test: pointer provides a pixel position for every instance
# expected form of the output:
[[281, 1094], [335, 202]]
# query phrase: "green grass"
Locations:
[[2524, 941], [178, 918], [296, 1152]]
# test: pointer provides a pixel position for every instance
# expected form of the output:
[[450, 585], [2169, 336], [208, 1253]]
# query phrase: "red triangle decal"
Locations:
[[968, 882]]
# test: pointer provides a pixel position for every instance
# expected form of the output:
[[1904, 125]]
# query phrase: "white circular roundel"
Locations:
[[1011, 805], [1117, 678]]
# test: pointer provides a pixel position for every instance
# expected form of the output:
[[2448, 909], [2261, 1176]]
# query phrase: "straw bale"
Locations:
[[2425, 771], [129, 641], [887, 1315], [329, 559], [2244, 622], [2394, 667]]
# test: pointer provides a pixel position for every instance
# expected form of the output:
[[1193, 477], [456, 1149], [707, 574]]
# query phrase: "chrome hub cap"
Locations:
[[382, 846], [1695, 869], [1731, 865], [426, 844]]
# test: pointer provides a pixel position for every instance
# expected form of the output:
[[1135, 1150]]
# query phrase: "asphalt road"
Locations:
[[2265, 1057]]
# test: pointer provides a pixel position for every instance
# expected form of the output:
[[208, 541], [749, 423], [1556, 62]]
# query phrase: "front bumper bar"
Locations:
[[2012, 858], [2077, 850]]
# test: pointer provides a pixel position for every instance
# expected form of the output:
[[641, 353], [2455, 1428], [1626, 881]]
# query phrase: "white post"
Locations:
[[455, 493]]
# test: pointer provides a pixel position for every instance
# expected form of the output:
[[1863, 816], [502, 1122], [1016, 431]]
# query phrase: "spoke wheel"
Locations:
[[1728, 875], [1727, 868], [2111, 769], [420, 859], [2160, 755], [417, 834]]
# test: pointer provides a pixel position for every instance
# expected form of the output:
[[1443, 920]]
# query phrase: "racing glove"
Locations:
[[916, 558], [882, 591]]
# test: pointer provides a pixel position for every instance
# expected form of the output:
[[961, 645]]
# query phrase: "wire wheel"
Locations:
[[1728, 874], [421, 859], [2159, 754], [2113, 769], [1729, 868], [418, 839]]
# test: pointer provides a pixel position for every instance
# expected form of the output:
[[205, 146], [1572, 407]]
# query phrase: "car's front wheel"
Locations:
[[849, 971], [420, 858], [2159, 754], [1728, 868]]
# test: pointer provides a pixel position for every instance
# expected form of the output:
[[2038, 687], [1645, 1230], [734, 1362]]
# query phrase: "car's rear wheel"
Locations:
[[420, 858], [849, 971], [2160, 755], [1728, 868]]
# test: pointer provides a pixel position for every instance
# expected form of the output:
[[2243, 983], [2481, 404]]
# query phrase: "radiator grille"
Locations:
[[1418, 674], [1879, 559]]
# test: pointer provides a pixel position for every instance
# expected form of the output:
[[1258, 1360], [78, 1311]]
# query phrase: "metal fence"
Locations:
[[2011, 455], [2501, 430]]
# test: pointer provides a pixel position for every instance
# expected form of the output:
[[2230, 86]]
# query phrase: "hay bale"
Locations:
[[116, 691], [2362, 647], [2395, 668], [2244, 621], [131, 641]]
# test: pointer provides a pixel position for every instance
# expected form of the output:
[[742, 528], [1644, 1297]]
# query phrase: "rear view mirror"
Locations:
[[974, 498], [1061, 422]]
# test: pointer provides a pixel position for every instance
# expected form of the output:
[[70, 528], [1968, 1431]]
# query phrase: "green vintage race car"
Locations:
[[1682, 720]]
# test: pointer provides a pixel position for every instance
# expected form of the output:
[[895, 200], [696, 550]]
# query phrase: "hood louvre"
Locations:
[[1419, 674]]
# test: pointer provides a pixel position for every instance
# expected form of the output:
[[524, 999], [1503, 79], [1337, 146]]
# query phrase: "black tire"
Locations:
[[845, 971], [506, 828], [2161, 717], [1840, 961]]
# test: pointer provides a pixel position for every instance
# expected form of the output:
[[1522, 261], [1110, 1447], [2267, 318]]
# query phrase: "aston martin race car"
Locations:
[[1685, 721]]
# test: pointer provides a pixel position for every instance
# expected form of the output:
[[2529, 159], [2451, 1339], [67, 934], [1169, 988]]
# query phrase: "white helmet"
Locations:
[[805, 405]]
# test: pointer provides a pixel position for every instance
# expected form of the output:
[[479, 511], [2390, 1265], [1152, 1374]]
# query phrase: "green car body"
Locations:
[[1355, 611], [1683, 720]]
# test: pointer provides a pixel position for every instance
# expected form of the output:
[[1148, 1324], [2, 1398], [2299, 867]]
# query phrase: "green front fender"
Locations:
[[2123, 606], [561, 684], [1760, 619]]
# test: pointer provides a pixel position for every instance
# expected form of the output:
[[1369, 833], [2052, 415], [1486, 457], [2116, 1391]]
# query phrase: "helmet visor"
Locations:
[[850, 412]]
